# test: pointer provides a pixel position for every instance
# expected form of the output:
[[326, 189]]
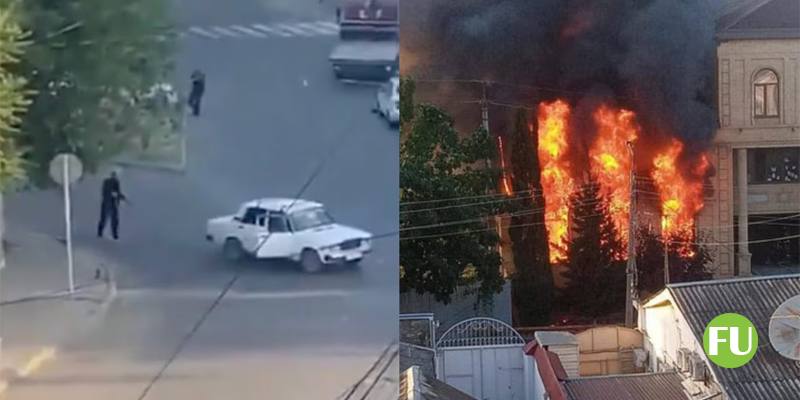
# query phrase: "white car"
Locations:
[[387, 102], [298, 230]]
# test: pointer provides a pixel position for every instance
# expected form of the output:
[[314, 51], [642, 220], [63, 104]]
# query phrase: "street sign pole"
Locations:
[[65, 169], [68, 223]]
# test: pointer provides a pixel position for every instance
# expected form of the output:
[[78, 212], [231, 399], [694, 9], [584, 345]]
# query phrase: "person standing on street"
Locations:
[[198, 88], [109, 207]]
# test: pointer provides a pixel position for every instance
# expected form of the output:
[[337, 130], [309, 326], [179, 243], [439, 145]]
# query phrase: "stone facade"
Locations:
[[733, 199]]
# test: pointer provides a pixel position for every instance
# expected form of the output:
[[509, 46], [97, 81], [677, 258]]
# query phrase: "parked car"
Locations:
[[387, 101], [299, 230]]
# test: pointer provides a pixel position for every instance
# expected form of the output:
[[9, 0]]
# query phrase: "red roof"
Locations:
[[550, 369]]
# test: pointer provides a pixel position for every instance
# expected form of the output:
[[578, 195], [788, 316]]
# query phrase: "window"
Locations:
[[278, 223], [253, 215], [308, 219], [765, 94], [773, 165]]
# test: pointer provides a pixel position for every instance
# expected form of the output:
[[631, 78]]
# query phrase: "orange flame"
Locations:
[[556, 181], [610, 163], [506, 181], [681, 198]]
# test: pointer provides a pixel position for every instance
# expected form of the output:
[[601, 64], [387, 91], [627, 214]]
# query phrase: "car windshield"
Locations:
[[308, 219]]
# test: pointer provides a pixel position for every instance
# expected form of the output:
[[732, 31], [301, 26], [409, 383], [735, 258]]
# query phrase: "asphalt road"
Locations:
[[272, 111]]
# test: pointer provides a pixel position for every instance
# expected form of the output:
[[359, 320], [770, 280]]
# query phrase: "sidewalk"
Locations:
[[37, 314]]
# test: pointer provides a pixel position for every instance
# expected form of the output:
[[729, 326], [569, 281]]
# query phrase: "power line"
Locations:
[[581, 188], [532, 211]]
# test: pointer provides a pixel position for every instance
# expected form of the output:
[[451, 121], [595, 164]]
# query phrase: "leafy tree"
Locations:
[[446, 244], [688, 260], [88, 62], [13, 101], [532, 283], [407, 89], [595, 274]]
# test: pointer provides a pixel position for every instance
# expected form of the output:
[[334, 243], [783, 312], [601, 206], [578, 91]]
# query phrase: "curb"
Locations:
[[33, 364], [47, 354], [179, 168]]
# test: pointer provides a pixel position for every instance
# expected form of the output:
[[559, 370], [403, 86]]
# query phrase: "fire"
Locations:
[[556, 180], [505, 181], [610, 163], [681, 198]]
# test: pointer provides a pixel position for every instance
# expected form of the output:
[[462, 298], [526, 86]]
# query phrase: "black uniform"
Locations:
[[109, 207], [196, 95]]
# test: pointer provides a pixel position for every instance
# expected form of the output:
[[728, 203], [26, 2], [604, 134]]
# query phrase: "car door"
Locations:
[[250, 226], [382, 94], [280, 242]]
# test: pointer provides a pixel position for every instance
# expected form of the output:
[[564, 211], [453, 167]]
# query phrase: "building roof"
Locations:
[[652, 386], [278, 204], [768, 375], [550, 338], [414, 385], [549, 368], [761, 19]]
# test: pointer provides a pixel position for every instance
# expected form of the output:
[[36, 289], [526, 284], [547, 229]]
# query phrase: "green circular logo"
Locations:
[[730, 340]]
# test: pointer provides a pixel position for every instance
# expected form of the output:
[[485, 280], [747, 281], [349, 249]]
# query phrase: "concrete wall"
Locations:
[[607, 350], [665, 331], [738, 62], [464, 305], [423, 358]]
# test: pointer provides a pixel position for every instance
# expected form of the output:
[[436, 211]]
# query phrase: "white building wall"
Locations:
[[534, 386]]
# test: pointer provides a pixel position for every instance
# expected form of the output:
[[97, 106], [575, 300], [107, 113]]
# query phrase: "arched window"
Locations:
[[765, 94]]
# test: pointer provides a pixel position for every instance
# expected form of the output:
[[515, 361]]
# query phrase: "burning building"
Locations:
[[598, 76]]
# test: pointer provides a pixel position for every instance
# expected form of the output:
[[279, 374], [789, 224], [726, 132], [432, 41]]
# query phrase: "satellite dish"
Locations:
[[784, 329]]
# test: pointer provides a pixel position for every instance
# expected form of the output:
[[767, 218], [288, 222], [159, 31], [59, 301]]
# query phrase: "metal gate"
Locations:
[[482, 357]]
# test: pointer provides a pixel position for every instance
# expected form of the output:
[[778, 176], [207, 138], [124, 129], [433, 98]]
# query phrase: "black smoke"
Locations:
[[653, 56]]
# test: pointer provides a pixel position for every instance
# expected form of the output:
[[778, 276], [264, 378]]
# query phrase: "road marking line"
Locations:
[[328, 24], [203, 32], [295, 30], [225, 31], [232, 295], [248, 31], [271, 30], [289, 295], [44, 355], [319, 29]]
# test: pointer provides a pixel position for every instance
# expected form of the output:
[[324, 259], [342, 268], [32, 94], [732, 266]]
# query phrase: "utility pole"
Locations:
[[666, 259], [630, 270], [484, 108], [485, 114]]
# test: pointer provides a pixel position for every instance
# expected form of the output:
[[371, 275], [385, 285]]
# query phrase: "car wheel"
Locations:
[[310, 261], [232, 250]]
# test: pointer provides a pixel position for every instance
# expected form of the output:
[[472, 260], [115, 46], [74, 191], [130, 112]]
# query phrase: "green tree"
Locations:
[[88, 62], [595, 274], [446, 244], [407, 89], [532, 283], [13, 101], [688, 260]]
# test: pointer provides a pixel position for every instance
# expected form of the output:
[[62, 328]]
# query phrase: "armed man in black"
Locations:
[[198, 88], [109, 208]]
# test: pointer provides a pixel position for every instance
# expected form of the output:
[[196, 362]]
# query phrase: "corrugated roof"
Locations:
[[654, 386], [761, 19], [414, 385], [767, 376]]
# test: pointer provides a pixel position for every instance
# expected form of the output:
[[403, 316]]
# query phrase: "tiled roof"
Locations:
[[768, 375], [654, 386], [761, 19]]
